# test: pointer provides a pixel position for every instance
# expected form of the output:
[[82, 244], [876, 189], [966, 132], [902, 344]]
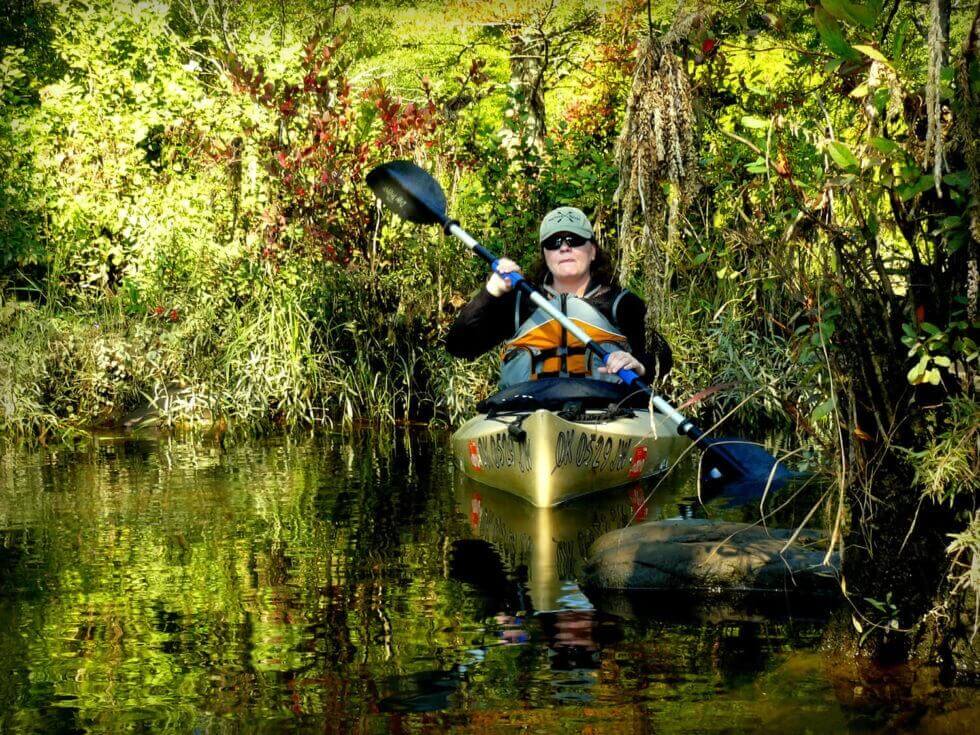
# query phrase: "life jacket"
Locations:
[[542, 348]]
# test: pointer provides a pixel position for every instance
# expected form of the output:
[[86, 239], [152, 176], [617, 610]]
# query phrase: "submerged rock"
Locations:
[[708, 556], [173, 404]]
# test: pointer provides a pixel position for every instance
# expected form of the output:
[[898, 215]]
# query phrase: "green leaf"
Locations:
[[888, 147], [956, 241], [876, 604], [958, 180], [859, 91], [915, 374], [823, 410], [872, 53], [898, 42], [842, 155], [932, 376], [857, 624], [908, 191], [931, 329], [832, 34], [833, 65], [942, 361], [863, 14], [750, 121]]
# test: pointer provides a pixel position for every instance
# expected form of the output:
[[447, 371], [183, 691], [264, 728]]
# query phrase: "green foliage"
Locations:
[[62, 373], [200, 178], [948, 469], [19, 221], [964, 548], [183, 203], [935, 349], [183, 213]]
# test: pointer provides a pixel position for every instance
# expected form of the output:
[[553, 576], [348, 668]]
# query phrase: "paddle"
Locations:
[[414, 195]]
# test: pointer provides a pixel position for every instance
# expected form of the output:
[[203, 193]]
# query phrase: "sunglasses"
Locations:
[[556, 241]]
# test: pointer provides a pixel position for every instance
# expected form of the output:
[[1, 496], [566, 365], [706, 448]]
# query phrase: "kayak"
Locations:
[[555, 439]]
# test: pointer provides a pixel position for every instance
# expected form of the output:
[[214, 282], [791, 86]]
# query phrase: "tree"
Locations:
[[844, 179]]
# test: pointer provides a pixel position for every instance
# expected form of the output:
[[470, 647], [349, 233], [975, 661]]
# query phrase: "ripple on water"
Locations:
[[354, 584]]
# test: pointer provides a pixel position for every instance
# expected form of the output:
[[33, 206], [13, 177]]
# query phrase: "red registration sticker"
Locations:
[[475, 456], [636, 464]]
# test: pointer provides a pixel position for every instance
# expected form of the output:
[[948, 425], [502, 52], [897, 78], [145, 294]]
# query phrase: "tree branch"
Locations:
[[888, 22]]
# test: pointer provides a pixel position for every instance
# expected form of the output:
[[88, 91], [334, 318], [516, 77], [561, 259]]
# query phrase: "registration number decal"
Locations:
[[475, 462], [636, 463]]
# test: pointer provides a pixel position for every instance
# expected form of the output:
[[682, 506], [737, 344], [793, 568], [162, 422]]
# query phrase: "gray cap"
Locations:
[[565, 219]]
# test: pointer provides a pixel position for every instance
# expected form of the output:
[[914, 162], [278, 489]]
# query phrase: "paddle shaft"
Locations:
[[684, 426]]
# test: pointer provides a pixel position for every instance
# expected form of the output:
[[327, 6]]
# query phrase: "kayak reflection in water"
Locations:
[[577, 277]]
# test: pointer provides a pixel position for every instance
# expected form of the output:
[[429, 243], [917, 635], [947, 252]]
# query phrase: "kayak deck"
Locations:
[[548, 459]]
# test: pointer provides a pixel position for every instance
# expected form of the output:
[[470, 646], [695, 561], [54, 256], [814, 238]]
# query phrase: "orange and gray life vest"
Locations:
[[542, 348]]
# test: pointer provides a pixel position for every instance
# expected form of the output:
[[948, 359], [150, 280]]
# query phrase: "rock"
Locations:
[[709, 556]]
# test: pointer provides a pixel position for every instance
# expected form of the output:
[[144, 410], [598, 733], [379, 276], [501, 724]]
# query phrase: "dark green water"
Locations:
[[356, 585]]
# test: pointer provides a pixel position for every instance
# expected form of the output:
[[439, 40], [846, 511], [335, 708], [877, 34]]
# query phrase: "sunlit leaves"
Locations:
[[842, 155], [753, 122], [922, 373]]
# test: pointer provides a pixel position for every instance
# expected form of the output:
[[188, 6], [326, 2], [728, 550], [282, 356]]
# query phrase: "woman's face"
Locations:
[[570, 263]]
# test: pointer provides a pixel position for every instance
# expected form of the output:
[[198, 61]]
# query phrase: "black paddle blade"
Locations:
[[745, 464], [409, 192]]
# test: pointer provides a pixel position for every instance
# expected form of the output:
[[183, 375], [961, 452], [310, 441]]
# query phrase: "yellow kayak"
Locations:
[[549, 441]]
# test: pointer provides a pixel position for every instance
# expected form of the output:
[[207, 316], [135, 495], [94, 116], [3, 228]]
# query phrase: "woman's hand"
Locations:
[[498, 286], [621, 359]]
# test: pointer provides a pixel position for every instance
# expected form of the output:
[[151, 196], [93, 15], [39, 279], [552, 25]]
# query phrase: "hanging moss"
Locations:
[[656, 158], [934, 133]]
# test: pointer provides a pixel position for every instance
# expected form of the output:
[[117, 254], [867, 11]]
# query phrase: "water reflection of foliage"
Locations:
[[224, 572], [294, 583]]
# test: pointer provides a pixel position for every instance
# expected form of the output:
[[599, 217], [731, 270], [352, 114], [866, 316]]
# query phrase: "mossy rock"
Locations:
[[710, 557]]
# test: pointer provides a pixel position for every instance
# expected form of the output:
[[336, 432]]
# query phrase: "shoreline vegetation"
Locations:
[[793, 190]]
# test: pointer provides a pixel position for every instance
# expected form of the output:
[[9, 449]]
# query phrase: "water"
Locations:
[[355, 585]]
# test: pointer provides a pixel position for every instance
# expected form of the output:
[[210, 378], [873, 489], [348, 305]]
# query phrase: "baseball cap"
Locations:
[[565, 219]]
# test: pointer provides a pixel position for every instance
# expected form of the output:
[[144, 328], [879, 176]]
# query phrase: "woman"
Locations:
[[577, 277]]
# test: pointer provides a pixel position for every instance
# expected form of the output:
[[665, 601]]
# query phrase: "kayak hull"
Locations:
[[547, 459]]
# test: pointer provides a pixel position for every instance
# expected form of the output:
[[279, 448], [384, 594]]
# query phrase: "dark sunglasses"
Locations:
[[556, 241]]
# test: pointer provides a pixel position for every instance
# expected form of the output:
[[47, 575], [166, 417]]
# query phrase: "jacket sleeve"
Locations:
[[481, 325], [654, 353]]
